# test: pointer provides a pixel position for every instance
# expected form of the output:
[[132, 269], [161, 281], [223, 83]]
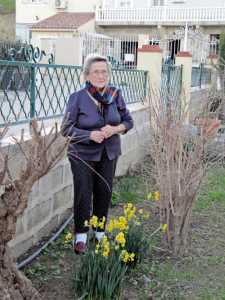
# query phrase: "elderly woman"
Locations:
[[95, 117]]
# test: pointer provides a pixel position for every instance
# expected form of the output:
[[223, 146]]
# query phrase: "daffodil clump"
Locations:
[[95, 223], [68, 238], [103, 247], [124, 232], [104, 265], [155, 196], [126, 256]]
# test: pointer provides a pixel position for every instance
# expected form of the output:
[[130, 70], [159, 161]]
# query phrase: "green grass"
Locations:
[[213, 190], [200, 275], [129, 189], [8, 5]]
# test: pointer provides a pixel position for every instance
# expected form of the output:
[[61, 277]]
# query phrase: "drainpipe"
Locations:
[[185, 37]]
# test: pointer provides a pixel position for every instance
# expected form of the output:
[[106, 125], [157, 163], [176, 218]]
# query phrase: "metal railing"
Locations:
[[200, 76], [120, 50], [29, 90], [171, 82], [161, 14]]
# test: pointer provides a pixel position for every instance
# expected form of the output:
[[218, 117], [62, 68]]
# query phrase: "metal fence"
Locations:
[[200, 76], [197, 43], [121, 51], [29, 90], [6, 46], [171, 82]]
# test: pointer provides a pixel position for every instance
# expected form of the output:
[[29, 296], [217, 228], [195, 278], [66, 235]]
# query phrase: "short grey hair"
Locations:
[[93, 58]]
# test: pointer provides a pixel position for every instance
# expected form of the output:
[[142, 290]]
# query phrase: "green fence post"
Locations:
[[201, 73], [32, 91]]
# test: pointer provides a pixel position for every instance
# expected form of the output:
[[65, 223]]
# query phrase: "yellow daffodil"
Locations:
[[101, 224], [132, 255], [164, 228], [106, 252], [110, 226], [120, 239], [129, 211], [157, 196], [129, 205], [126, 256], [94, 221], [68, 237], [154, 196], [122, 223]]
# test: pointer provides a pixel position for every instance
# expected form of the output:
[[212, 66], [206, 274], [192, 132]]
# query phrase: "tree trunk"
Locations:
[[13, 284], [177, 236]]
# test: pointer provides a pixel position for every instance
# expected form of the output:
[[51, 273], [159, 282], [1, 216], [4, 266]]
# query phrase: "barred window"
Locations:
[[125, 3], [158, 2]]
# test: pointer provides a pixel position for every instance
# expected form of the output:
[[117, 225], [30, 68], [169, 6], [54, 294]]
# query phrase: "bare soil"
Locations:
[[197, 276]]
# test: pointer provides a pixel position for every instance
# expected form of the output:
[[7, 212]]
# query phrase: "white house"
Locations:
[[29, 12], [153, 19]]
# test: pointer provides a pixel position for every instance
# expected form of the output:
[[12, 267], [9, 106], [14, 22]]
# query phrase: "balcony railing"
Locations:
[[163, 15]]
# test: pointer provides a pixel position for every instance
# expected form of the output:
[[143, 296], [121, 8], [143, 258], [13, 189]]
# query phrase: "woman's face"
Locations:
[[98, 74]]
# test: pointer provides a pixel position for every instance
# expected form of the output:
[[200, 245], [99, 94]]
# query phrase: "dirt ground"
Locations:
[[198, 276]]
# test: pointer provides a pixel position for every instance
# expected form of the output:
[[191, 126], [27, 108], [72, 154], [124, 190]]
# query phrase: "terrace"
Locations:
[[162, 15]]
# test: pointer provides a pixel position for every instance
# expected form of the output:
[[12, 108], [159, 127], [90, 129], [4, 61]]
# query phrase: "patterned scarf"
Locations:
[[105, 97]]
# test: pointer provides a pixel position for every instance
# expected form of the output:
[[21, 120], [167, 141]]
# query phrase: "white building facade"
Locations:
[[29, 12], [151, 3]]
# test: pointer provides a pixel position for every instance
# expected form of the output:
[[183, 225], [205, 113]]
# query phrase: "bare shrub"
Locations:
[[182, 153]]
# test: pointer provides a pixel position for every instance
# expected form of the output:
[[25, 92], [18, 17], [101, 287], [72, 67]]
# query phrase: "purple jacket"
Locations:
[[82, 116]]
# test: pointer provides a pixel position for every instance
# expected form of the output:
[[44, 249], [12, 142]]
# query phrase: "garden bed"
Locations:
[[200, 275]]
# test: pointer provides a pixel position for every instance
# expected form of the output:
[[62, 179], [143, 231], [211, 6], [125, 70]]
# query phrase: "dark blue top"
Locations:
[[82, 116]]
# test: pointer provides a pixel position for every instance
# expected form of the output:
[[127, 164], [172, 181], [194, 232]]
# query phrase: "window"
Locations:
[[158, 2], [124, 3], [214, 43], [178, 1]]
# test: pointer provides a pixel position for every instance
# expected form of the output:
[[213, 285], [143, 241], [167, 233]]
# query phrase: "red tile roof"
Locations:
[[64, 20]]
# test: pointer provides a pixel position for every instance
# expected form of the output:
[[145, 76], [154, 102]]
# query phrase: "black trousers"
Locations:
[[92, 189]]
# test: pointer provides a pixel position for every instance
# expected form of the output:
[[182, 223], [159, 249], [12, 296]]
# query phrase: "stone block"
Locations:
[[67, 174], [20, 226], [35, 189], [62, 198], [21, 247], [65, 215], [45, 184], [47, 229], [38, 213], [56, 178]]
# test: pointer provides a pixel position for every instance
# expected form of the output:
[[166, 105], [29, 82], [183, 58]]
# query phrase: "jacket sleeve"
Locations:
[[69, 123], [126, 118]]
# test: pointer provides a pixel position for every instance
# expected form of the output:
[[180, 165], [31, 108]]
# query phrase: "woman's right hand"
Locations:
[[97, 136]]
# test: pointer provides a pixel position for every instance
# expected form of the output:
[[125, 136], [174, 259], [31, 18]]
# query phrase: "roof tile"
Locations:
[[64, 20]]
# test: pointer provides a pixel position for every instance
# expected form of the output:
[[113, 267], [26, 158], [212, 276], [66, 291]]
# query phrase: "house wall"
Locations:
[[27, 12], [39, 36], [162, 31]]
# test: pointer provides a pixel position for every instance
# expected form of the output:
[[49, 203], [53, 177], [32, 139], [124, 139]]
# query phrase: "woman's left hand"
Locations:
[[109, 130]]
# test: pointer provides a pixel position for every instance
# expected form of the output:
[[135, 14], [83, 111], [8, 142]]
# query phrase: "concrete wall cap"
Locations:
[[183, 54], [150, 48]]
